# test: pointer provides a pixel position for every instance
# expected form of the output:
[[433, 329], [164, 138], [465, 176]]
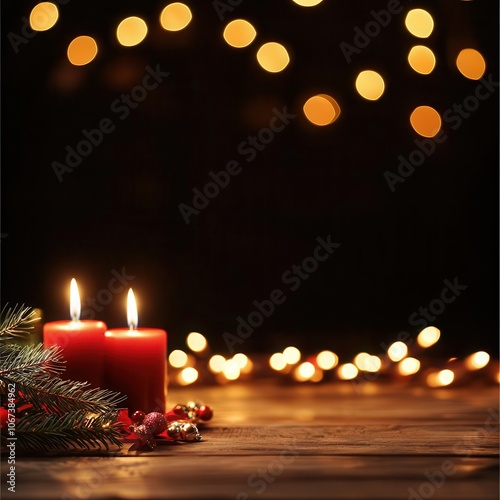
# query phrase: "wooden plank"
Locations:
[[299, 441], [280, 477]]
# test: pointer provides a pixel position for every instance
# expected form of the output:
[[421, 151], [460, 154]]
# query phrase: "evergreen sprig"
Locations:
[[75, 430], [55, 414], [34, 372], [16, 321]]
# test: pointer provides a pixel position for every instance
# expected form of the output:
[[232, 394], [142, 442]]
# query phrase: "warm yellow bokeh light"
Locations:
[[409, 366], [428, 336], [196, 342], [440, 379], [425, 121], [347, 371], [321, 109], [231, 370], [471, 64], [305, 371], [187, 376], [327, 360], [370, 85], [292, 355], [241, 360], [175, 16], [422, 59], [273, 57], [361, 359], [82, 50], [397, 351], [477, 360], [373, 364], [43, 16], [216, 363], [239, 33], [178, 358], [307, 3], [277, 361], [419, 23], [131, 31]]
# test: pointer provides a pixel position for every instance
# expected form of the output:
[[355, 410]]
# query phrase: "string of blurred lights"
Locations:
[[321, 109], [399, 362]]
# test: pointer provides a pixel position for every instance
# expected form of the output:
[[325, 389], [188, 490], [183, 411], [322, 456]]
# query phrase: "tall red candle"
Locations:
[[135, 363], [82, 343]]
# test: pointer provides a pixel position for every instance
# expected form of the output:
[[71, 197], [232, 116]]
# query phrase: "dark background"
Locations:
[[119, 208]]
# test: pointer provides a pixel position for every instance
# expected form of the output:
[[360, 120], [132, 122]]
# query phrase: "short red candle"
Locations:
[[82, 344], [135, 363]]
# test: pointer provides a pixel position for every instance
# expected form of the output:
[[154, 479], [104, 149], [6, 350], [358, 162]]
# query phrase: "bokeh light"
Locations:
[[239, 33], [425, 121], [370, 85], [327, 360], [347, 371], [216, 363], [477, 360], [361, 359], [241, 360], [82, 50], [397, 351], [196, 342], [175, 16], [131, 31], [471, 64], [409, 366], [305, 371], [178, 358], [277, 361], [440, 379], [428, 336], [187, 376], [43, 16], [419, 23], [273, 57], [373, 364], [307, 3], [292, 355], [422, 59], [231, 370], [321, 109]]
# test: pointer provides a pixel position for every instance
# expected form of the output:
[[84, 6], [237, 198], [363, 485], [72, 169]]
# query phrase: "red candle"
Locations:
[[82, 343], [135, 363]]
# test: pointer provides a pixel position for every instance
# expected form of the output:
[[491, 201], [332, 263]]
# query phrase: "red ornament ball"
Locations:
[[138, 416], [205, 412]]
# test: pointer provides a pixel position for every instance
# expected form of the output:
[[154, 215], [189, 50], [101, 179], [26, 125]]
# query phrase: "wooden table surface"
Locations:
[[271, 441]]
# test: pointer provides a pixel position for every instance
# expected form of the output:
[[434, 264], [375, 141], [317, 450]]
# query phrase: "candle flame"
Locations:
[[74, 301], [132, 317]]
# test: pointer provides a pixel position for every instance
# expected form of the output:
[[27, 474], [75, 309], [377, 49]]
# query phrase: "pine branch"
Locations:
[[16, 321], [30, 361], [33, 370], [76, 430]]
